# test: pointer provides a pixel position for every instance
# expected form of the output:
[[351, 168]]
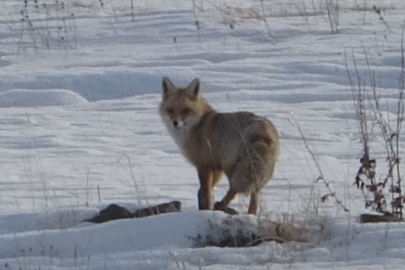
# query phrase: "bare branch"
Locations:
[[321, 176]]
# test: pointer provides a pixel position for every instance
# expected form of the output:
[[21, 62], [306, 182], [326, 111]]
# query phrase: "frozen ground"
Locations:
[[79, 128]]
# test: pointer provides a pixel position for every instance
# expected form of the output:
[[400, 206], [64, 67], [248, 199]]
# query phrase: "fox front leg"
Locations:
[[206, 177], [203, 203]]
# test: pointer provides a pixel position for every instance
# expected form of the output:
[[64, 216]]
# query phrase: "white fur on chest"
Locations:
[[181, 134]]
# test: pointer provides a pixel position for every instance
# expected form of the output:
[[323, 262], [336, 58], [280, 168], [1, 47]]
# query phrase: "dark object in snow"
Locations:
[[372, 218], [113, 212], [174, 206]]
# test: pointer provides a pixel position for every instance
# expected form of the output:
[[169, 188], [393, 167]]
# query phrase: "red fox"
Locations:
[[242, 145]]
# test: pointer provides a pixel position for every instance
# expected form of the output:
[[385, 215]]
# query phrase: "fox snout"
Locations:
[[177, 118], [174, 121], [177, 123]]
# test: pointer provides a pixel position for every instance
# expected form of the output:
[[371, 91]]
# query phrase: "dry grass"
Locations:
[[243, 231]]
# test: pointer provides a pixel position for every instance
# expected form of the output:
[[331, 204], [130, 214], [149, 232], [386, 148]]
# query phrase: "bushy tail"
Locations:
[[255, 167]]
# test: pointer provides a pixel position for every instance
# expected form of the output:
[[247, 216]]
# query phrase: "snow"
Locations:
[[40, 97], [79, 129]]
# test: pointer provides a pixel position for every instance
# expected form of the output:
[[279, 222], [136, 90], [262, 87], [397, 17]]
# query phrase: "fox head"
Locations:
[[182, 106]]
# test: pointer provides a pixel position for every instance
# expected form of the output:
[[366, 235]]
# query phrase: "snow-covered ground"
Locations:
[[80, 85]]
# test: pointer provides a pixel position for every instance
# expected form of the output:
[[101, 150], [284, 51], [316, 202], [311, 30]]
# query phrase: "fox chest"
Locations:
[[180, 135]]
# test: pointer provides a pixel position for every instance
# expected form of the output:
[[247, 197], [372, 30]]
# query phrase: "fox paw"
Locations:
[[220, 207]]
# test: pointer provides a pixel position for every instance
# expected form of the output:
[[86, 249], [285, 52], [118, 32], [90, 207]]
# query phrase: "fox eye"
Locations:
[[170, 111], [185, 111]]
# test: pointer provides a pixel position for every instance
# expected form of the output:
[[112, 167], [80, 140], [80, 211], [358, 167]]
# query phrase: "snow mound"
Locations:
[[167, 232], [128, 234], [156, 242], [36, 98]]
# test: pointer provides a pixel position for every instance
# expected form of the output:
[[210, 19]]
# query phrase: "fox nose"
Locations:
[[178, 124]]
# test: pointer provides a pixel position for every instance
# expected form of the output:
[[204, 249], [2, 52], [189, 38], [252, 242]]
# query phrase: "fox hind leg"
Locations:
[[230, 195], [254, 203], [222, 205]]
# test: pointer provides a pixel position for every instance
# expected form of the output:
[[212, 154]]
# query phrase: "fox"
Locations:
[[242, 145]]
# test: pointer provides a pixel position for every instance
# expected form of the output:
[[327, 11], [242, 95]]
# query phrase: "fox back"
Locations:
[[242, 145]]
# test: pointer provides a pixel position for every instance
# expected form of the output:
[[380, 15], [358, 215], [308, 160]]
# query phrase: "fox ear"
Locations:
[[194, 89], [167, 87]]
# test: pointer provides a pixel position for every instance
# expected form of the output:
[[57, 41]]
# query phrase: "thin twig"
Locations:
[[321, 176], [132, 11], [400, 118], [268, 29], [197, 23], [132, 177]]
